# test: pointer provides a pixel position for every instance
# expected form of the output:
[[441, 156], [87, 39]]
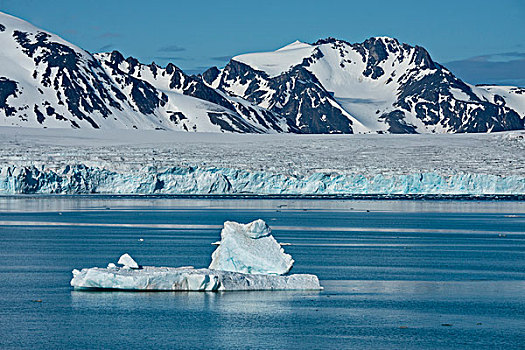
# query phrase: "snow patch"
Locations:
[[277, 62]]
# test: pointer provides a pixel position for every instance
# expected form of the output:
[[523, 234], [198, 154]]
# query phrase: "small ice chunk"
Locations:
[[111, 266], [250, 248], [128, 261]]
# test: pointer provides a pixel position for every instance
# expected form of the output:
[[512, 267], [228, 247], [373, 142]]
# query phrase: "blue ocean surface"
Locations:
[[397, 274]]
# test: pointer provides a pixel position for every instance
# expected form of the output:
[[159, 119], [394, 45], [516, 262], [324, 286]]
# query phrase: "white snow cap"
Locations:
[[128, 261], [250, 248], [277, 62]]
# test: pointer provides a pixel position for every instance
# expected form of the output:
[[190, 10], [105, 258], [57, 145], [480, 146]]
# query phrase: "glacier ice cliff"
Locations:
[[82, 179]]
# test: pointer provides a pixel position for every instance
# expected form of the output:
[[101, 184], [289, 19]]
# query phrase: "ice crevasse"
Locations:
[[82, 179], [248, 258]]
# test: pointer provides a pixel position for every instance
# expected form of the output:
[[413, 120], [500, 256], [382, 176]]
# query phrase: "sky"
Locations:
[[480, 41]]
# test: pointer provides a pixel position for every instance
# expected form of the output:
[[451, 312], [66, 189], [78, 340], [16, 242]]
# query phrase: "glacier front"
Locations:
[[248, 258], [200, 180]]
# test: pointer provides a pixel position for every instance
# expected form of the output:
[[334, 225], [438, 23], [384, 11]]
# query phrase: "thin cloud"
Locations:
[[105, 47], [172, 58], [196, 70], [513, 54], [171, 48], [221, 58], [501, 68], [110, 35], [71, 32], [497, 57]]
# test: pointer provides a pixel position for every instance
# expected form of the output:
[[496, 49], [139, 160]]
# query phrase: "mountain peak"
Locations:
[[378, 85], [294, 46], [276, 62], [385, 39], [328, 40]]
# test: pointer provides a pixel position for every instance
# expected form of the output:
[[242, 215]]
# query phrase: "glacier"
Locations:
[[60, 161], [248, 258], [202, 180]]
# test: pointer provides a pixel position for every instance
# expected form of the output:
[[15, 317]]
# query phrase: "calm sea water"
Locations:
[[397, 275]]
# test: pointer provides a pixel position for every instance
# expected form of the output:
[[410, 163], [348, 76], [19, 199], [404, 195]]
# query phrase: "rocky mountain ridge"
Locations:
[[330, 86]]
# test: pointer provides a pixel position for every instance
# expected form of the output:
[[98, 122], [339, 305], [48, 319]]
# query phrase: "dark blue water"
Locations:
[[397, 275]]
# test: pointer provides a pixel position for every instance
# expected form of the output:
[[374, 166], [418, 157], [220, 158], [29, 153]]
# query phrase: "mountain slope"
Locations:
[[48, 82], [191, 104], [379, 85]]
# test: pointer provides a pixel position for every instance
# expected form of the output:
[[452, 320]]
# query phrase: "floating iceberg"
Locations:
[[250, 248], [247, 258]]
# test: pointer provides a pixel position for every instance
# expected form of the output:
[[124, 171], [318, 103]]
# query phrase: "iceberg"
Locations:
[[250, 248], [247, 258]]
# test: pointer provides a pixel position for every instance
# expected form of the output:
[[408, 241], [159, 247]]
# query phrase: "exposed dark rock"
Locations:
[[223, 119], [377, 53], [39, 115], [177, 117], [7, 88], [210, 75], [397, 123]]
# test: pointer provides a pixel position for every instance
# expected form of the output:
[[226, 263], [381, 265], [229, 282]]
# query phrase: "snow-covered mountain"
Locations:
[[330, 86], [189, 103], [379, 85], [48, 82]]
